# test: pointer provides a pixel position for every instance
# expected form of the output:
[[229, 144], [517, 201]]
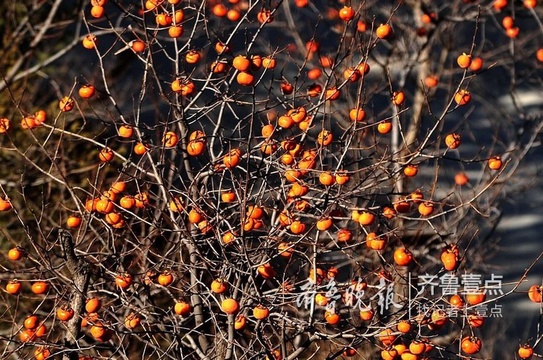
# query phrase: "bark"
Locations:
[[80, 272]]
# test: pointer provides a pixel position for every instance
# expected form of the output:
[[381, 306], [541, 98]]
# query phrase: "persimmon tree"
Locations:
[[260, 179]]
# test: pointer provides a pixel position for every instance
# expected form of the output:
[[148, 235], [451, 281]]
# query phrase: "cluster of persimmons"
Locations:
[[268, 158]]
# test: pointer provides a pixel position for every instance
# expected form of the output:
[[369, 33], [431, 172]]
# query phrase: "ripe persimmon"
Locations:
[[97, 330], [352, 74], [471, 345], [127, 202], [266, 271], [230, 306], [193, 57], [324, 137], [256, 62], [456, 301], [285, 122], [535, 293], [476, 320], [389, 212], [539, 54], [452, 141], [86, 91], [402, 256], [196, 147], [404, 326], [316, 275], [264, 16], [132, 321], [321, 299], [92, 305], [449, 258], [65, 313], [140, 148], [426, 208], [366, 218], [324, 223], [361, 26], [269, 62], [137, 46], [390, 353], [346, 13], [98, 2], [344, 235], [5, 124], [297, 227], [15, 254], [285, 249], [512, 32], [495, 163], [384, 127], [357, 114], [398, 98], [97, 11], [260, 312], [66, 104], [30, 122], [26, 335], [73, 221], [165, 278], [431, 81], [231, 160], [383, 31], [327, 179], [31, 322], [182, 308], [342, 177], [42, 353], [219, 286], [375, 241], [40, 287], [417, 347], [386, 336], [366, 314], [41, 330], [268, 147], [410, 170], [314, 90], [240, 322], [219, 10], [170, 139], [286, 87], [463, 61], [462, 97], [363, 68], [13, 287], [233, 15], [525, 351], [104, 206], [123, 280], [175, 31], [106, 155], [241, 63], [332, 318], [475, 298], [314, 73], [476, 64], [125, 131], [332, 93], [402, 206], [89, 41]]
